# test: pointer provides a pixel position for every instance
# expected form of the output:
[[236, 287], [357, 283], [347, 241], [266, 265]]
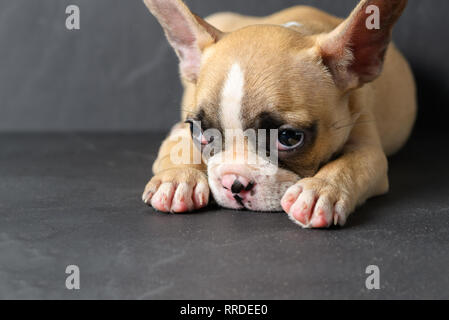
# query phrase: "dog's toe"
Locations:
[[201, 195], [323, 212], [302, 209], [162, 200]]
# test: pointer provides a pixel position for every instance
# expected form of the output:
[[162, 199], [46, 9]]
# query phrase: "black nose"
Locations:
[[238, 187]]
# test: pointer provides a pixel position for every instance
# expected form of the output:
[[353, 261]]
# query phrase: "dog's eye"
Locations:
[[197, 132], [290, 139]]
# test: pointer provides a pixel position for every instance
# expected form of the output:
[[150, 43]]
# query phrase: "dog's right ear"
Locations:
[[354, 53], [188, 34]]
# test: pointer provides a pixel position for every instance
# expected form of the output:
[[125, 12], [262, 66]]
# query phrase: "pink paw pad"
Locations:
[[290, 198], [180, 206], [161, 203], [182, 201], [302, 215], [303, 207], [320, 221], [163, 198], [287, 202], [201, 196]]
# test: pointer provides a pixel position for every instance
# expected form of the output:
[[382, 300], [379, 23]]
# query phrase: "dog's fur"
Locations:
[[347, 87]]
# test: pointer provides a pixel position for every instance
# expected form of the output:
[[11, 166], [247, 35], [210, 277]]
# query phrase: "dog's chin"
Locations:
[[254, 205]]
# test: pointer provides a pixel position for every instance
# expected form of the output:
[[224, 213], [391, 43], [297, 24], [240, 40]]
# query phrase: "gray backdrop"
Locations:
[[118, 73]]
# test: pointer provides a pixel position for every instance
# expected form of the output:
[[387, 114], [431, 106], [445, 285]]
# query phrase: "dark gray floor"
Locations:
[[75, 199]]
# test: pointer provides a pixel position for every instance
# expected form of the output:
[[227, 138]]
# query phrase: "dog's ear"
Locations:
[[354, 52], [188, 34]]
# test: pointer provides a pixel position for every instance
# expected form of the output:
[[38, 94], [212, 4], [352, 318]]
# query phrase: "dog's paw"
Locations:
[[315, 203], [177, 190]]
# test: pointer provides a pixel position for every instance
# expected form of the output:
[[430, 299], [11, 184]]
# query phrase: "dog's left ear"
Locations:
[[187, 33], [354, 52]]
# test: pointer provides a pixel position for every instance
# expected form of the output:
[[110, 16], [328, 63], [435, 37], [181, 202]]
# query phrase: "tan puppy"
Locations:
[[340, 97]]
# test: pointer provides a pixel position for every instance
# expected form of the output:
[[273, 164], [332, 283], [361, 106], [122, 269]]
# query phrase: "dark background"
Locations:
[[75, 198], [118, 72]]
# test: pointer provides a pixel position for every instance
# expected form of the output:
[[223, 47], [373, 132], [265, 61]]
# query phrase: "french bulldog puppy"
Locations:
[[340, 96]]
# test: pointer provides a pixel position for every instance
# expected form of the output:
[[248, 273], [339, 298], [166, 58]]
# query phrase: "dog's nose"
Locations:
[[237, 184]]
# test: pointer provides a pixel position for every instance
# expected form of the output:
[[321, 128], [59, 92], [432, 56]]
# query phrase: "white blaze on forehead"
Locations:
[[231, 98]]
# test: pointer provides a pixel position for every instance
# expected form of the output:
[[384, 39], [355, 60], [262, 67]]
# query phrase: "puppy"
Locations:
[[339, 96]]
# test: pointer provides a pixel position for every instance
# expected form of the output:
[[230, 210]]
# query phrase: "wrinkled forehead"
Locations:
[[238, 89]]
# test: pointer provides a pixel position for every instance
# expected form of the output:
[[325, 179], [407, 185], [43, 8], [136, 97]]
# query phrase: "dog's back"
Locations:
[[313, 20]]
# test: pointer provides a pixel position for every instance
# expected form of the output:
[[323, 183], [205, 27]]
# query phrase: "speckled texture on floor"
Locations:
[[75, 199]]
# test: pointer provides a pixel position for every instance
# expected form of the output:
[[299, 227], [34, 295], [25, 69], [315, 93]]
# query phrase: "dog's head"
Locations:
[[268, 77]]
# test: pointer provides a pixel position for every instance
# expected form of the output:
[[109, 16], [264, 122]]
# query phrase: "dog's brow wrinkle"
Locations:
[[335, 127]]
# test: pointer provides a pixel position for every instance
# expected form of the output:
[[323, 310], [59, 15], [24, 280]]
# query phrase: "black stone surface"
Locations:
[[75, 199]]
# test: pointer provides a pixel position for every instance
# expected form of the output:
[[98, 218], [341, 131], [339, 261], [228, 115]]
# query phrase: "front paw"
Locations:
[[177, 190], [316, 203]]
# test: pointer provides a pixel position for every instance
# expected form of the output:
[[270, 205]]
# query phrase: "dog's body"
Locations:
[[315, 77]]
